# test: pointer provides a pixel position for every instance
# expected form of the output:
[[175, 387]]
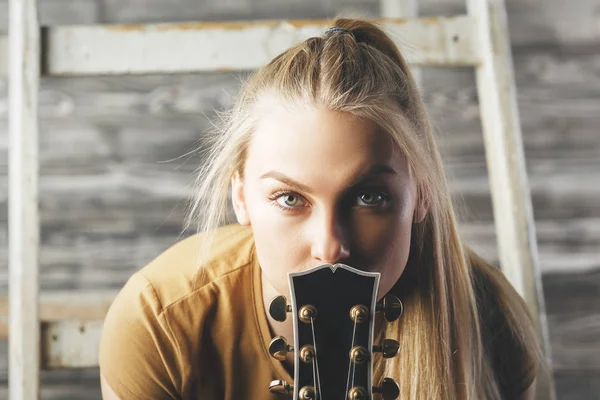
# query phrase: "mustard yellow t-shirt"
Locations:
[[177, 331]]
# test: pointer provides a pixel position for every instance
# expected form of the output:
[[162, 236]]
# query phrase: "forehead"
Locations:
[[307, 142]]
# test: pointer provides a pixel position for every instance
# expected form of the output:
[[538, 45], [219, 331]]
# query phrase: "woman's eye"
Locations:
[[289, 200], [370, 199]]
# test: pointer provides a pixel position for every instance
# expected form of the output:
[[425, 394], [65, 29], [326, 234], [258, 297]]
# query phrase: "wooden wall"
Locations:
[[114, 182]]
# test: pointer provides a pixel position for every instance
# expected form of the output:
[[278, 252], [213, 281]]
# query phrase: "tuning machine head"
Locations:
[[389, 348], [281, 387], [278, 308], [391, 306], [279, 347], [389, 389]]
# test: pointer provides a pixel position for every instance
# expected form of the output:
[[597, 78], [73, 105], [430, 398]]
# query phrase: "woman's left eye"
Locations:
[[371, 199]]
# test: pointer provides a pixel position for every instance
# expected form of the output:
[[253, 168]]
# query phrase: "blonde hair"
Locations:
[[360, 71]]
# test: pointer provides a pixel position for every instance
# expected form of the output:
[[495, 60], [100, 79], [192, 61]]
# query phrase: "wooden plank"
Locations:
[[82, 306], [70, 344], [399, 8], [24, 74], [210, 46], [513, 213], [574, 319]]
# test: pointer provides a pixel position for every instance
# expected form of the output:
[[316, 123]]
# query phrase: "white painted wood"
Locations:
[[70, 344], [511, 199], [91, 305], [23, 218], [3, 55], [399, 8], [201, 47]]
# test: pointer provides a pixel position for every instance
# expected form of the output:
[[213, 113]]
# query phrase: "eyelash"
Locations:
[[276, 195]]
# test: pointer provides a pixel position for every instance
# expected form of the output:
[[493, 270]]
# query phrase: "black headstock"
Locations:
[[333, 309]]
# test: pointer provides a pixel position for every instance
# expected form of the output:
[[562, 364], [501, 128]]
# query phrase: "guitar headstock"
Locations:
[[333, 309]]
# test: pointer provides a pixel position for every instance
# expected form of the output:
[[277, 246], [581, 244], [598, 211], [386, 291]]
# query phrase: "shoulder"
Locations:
[[508, 336], [160, 308], [182, 269]]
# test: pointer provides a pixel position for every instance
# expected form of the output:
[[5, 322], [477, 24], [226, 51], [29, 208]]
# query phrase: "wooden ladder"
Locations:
[[478, 39]]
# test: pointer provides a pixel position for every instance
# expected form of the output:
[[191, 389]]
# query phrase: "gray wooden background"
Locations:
[[113, 184]]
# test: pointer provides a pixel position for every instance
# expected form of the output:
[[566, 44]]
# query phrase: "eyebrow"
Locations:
[[377, 169]]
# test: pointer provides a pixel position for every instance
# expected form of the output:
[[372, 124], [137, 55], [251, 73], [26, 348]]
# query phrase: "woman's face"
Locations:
[[325, 187]]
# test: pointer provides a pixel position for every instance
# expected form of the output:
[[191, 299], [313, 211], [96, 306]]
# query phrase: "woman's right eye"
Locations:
[[289, 200]]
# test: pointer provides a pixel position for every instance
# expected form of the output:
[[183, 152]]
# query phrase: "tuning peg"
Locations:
[[307, 353], [357, 393], [389, 348], [359, 314], [389, 389], [281, 387], [307, 313], [391, 306], [278, 308], [307, 393], [359, 354], [279, 347]]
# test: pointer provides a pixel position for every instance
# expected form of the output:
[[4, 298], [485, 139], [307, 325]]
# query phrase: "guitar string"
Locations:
[[314, 372], [318, 382], [350, 363]]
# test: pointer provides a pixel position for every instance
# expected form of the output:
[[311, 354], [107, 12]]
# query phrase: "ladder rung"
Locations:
[[70, 344], [72, 305], [224, 46]]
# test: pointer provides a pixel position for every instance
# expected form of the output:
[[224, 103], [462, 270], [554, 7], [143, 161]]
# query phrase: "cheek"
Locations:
[[379, 233], [382, 243], [279, 245]]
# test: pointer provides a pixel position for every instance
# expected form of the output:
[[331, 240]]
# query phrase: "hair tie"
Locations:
[[335, 29]]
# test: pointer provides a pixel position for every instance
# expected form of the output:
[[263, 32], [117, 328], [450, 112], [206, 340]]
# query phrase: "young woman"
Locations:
[[330, 158]]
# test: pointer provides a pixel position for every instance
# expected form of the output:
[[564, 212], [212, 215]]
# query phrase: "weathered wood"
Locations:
[[55, 12], [531, 21], [100, 133], [213, 46], [23, 218], [70, 344], [3, 55], [89, 306]]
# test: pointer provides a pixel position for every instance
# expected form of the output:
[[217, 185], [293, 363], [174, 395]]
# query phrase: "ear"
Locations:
[[238, 199]]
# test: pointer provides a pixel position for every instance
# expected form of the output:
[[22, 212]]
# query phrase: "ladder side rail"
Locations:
[[24, 77], [511, 198]]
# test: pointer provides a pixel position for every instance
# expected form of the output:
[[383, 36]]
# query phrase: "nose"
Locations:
[[329, 241]]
